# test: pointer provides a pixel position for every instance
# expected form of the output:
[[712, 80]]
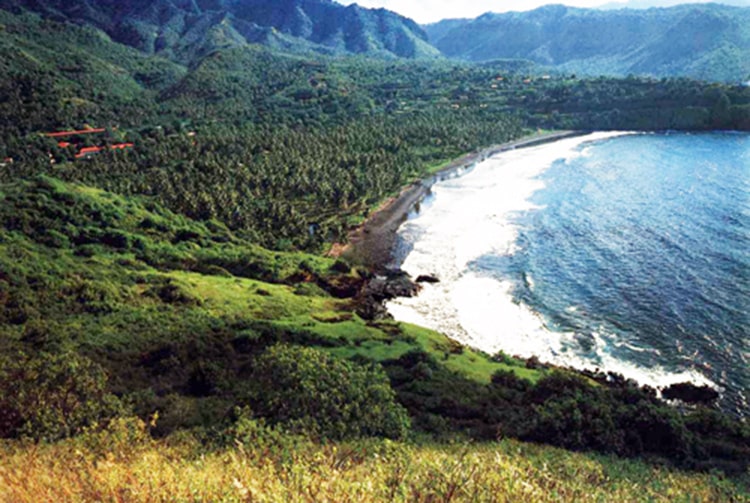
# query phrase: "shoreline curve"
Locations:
[[372, 243]]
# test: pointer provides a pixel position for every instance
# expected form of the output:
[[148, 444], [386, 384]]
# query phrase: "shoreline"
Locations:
[[372, 243]]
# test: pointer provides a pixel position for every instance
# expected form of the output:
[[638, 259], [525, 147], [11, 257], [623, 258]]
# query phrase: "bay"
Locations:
[[618, 251]]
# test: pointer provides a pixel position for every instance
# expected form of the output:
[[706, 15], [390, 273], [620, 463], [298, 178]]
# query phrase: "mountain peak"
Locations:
[[185, 29]]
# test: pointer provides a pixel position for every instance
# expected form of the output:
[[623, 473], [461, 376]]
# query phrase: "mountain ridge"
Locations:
[[703, 41], [184, 30]]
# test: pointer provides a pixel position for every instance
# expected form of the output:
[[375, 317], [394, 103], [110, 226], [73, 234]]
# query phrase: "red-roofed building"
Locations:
[[70, 133], [76, 142], [87, 151]]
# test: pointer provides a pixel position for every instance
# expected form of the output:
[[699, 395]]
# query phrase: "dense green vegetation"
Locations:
[[180, 281], [113, 306], [706, 41], [149, 297], [187, 30], [289, 149]]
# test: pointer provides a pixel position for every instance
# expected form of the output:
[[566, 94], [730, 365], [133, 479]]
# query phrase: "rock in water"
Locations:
[[690, 393]]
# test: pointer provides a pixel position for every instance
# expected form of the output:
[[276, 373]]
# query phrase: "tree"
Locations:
[[314, 392], [52, 396], [720, 114]]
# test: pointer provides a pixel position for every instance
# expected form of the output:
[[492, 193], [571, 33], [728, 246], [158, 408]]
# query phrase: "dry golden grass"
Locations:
[[132, 468]]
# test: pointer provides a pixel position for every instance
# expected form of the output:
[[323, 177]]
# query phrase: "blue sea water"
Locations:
[[628, 253]]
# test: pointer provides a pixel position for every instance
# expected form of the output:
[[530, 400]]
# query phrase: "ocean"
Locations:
[[622, 252]]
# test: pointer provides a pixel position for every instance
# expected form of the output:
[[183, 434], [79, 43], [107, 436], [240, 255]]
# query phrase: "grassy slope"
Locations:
[[120, 280], [108, 301], [123, 465]]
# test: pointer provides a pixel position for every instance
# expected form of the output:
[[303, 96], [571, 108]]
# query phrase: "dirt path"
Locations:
[[371, 244]]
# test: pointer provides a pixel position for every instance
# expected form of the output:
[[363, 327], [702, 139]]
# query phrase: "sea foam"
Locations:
[[469, 217]]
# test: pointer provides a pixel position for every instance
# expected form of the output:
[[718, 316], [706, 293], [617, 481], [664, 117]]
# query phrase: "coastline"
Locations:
[[468, 301], [372, 243]]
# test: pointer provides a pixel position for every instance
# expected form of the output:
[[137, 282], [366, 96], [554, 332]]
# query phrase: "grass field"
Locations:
[[123, 465]]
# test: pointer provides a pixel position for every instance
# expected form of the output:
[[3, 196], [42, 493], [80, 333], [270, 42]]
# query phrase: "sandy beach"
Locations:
[[371, 244]]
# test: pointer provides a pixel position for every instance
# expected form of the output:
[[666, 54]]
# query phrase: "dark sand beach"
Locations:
[[371, 244]]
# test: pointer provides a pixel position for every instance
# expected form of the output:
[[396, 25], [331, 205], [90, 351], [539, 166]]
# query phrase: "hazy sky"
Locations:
[[428, 11]]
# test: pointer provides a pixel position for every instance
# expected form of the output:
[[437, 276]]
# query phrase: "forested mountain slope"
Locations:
[[186, 29], [703, 41], [275, 144]]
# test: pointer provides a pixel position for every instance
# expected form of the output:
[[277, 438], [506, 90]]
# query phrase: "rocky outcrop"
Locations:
[[381, 288], [690, 393]]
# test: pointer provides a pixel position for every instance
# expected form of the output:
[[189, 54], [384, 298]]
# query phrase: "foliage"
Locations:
[[305, 27], [120, 464], [52, 396], [320, 394]]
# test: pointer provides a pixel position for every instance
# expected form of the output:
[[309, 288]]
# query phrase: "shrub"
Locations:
[[52, 396], [171, 293], [256, 438], [501, 357], [314, 392], [341, 266]]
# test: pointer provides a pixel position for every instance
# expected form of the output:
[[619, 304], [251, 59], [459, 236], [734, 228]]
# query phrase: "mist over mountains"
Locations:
[[704, 41]]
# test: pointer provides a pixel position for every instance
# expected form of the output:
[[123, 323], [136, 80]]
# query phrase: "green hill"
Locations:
[[114, 306], [184, 31], [708, 42], [158, 300]]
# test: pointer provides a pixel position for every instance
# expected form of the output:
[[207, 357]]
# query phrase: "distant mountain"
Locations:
[[647, 4], [186, 29], [704, 41]]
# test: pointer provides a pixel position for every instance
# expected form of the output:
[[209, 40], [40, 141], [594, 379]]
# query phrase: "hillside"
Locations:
[[173, 311], [275, 145], [183, 31], [114, 306], [258, 464], [167, 302], [709, 42]]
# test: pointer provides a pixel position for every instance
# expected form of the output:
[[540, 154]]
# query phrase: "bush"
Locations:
[[313, 392], [256, 438], [501, 357], [52, 396], [171, 293], [341, 266]]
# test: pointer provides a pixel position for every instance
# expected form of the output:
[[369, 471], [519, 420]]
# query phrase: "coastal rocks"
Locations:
[[371, 310], [390, 284], [342, 286], [690, 393]]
